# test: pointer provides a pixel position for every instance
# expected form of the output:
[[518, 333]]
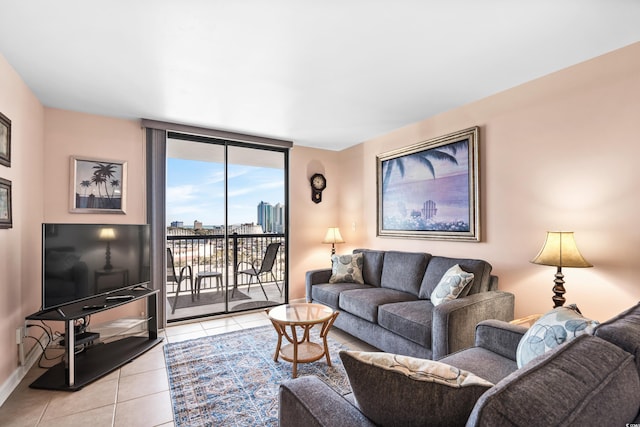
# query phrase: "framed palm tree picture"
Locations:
[[430, 190], [98, 186]]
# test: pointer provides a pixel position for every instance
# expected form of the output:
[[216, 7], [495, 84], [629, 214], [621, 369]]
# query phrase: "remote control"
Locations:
[[91, 307], [120, 298]]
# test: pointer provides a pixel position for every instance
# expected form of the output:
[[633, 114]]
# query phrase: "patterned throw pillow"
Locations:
[[346, 268], [558, 326], [420, 392], [451, 285]]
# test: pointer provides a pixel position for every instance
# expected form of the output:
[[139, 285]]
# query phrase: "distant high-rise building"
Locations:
[[270, 217], [177, 224], [197, 225], [265, 215], [278, 218]]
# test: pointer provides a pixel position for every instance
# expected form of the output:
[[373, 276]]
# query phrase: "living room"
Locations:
[[556, 153]]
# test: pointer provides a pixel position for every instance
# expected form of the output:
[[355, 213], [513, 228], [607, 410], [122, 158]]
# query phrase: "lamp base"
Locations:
[[558, 289]]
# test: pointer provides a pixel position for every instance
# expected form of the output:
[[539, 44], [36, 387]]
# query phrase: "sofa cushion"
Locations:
[[364, 302], [329, 294], [394, 390], [372, 266], [560, 325], [411, 320], [623, 331], [588, 381], [403, 271], [438, 266], [454, 281], [482, 362], [346, 269]]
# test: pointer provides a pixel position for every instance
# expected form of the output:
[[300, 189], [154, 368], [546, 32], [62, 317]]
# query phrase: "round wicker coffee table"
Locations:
[[304, 316]]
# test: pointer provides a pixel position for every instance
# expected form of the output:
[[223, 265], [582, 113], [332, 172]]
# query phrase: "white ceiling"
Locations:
[[322, 73]]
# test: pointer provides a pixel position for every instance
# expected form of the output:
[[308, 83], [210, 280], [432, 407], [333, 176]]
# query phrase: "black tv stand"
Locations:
[[78, 370]]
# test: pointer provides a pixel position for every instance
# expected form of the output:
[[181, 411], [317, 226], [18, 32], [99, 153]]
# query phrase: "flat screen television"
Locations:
[[80, 261]]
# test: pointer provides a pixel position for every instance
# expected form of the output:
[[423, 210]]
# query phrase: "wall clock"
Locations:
[[318, 183]]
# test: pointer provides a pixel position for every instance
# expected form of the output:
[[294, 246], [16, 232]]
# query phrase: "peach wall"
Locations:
[[20, 262], [309, 221], [69, 134], [557, 153]]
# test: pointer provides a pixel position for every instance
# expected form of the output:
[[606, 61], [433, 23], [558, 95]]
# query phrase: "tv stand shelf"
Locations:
[[97, 360]]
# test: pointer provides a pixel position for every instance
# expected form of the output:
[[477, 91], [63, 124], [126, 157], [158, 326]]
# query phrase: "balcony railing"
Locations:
[[207, 253]]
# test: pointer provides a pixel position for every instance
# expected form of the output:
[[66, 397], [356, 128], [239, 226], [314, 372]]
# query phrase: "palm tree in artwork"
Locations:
[[115, 183], [85, 184], [101, 174], [447, 153], [98, 180]]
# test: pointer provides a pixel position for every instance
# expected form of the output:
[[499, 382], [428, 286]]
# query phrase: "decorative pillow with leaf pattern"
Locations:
[[347, 268], [451, 285], [558, 326], [396, 390]]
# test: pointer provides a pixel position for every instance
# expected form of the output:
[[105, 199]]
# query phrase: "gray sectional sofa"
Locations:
[[592, 380], [392, 310]]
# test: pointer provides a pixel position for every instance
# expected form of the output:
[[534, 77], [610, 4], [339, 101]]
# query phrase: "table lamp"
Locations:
[[333, 236], [108, 234], [560, 250]]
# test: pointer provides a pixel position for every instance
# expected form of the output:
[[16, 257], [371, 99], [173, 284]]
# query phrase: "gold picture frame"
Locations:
[[430, 190]]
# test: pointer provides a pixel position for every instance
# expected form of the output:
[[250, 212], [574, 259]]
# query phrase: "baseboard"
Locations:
[[21, 371]]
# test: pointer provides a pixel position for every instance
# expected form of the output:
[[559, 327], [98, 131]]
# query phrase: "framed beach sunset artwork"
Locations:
[[98, 186], [430, 190]]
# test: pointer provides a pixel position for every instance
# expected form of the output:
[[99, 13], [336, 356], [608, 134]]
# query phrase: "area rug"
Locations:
[[206, 298], [232, 379]]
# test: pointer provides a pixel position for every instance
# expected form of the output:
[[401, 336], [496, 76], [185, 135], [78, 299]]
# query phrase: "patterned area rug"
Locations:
[[232, 380]]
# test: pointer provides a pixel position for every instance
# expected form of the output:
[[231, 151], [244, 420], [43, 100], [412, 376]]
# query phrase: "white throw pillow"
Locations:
[[451, 285], [556, 327]]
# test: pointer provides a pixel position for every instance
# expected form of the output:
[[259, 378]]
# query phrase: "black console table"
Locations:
[[97, 360]]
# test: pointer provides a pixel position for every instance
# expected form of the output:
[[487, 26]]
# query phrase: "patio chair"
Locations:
[[172, 276], [266, 266]]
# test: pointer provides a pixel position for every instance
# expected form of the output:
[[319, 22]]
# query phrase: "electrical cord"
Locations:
[[44, 353], [52, 337]]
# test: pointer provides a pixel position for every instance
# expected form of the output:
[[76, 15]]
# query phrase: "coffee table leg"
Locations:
[[280, 330], [295, 351], [326, 326]]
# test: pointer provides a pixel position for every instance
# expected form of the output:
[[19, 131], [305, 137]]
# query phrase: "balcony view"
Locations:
[[226, 225]]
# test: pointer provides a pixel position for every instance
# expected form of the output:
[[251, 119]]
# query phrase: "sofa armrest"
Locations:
[[499, 337], [454, 322], [307, 401], [314, 277]]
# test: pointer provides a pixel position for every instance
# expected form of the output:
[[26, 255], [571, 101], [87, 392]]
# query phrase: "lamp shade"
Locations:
[[333, 236], [560, 250], [107, 234]]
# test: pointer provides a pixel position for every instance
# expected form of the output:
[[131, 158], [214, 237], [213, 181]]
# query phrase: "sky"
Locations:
[[195, 191]]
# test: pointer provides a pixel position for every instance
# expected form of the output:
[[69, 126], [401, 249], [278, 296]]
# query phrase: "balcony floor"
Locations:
[[256, 300]]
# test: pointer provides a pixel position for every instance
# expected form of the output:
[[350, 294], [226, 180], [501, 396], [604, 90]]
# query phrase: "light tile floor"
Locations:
[[136, 395]]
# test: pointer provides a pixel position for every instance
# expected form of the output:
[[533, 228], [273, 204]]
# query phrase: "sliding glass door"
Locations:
[[226, 226]]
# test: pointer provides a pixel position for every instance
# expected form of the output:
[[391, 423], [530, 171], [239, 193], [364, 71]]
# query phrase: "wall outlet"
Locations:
[[20, 343]]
